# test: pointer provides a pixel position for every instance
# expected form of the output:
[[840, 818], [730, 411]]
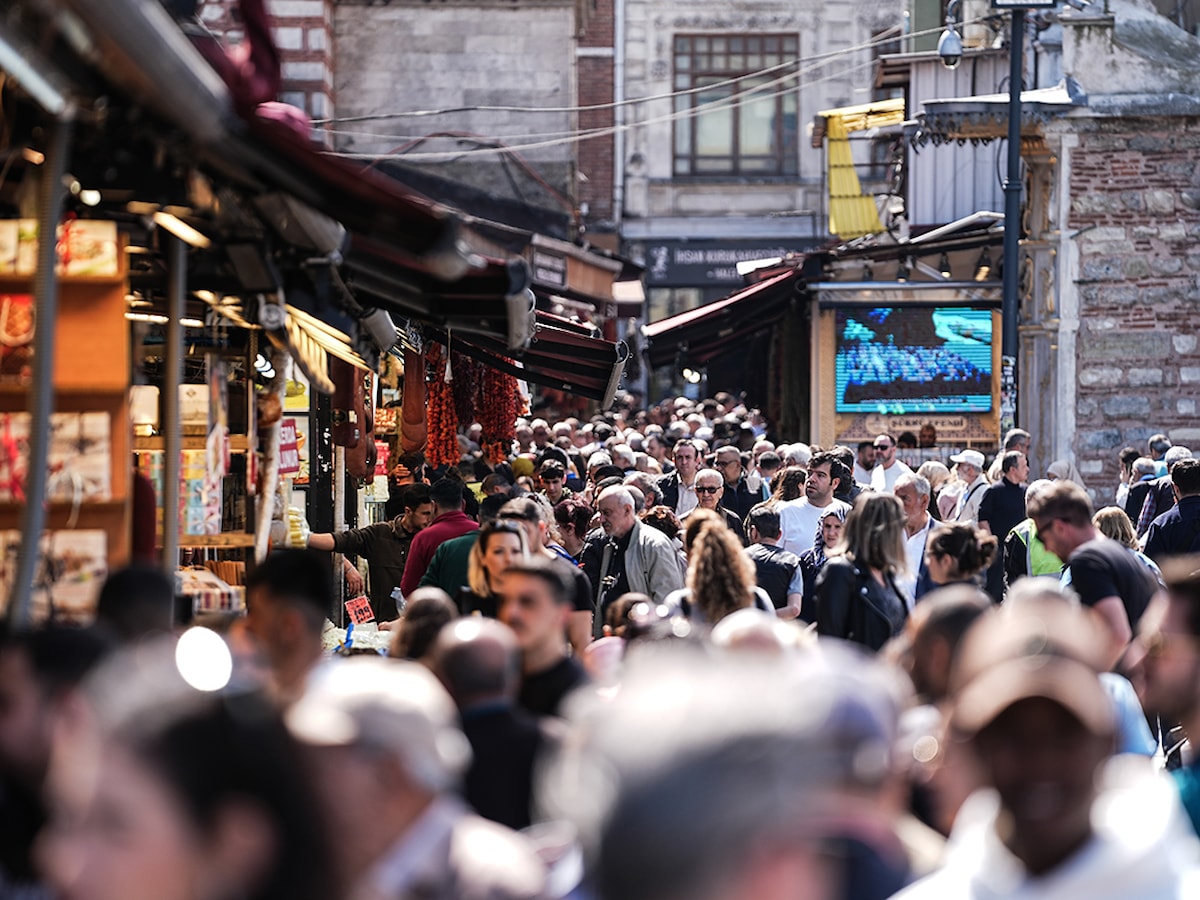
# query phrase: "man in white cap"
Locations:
[[970, 473], [387, 754]]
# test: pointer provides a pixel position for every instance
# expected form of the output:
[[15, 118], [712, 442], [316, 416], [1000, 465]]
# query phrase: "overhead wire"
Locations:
[[820, 57]]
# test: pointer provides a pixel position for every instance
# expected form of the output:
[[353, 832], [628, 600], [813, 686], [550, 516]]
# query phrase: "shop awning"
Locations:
[[699, 335], [561, 354], [851, 213]]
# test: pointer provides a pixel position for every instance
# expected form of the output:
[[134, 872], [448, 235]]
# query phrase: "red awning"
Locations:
[[699, 335]]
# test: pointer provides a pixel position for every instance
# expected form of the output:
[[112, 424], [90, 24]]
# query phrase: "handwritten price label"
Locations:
[[359, 610]]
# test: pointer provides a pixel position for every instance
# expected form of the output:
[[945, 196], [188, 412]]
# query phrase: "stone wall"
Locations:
[[415, 56], [1135, 219]]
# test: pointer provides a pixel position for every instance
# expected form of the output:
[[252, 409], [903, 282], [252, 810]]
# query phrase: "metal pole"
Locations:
[[1010, 307], [172, 429], [41, 391]]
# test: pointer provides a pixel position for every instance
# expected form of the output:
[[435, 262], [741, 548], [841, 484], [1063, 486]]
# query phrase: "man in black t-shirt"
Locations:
[[1002, 508], [776, 570], [1106, 575], [536, 599]]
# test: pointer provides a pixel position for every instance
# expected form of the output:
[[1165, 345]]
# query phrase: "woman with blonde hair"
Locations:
[[720, 577], [858, 598], [500, 545], [937, 475], [1113, 522]]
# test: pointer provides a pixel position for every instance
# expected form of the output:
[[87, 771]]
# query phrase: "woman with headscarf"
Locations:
[[1065, 470], [829, 533]]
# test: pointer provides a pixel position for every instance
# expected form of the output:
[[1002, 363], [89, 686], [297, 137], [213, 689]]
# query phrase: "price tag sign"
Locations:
[[359, 610]]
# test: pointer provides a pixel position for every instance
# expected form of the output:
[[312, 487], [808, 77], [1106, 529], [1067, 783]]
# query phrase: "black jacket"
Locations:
[[669, 485], [853, 606]]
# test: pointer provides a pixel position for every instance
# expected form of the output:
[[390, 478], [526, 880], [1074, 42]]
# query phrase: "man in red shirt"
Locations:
[[449, 522]]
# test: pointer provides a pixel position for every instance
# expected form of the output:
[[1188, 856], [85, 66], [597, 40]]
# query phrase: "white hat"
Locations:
[[386, 704], [970, 457]]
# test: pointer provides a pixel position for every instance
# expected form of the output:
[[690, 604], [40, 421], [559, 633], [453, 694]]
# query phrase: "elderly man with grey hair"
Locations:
[[631, 557], [387, 755]]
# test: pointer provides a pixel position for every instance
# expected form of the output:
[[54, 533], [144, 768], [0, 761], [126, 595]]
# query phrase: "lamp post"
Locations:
[[950, 49]]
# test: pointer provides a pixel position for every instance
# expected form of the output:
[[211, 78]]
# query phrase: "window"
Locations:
[[742, 134]]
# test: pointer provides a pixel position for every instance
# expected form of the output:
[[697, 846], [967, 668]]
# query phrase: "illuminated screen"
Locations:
[[899, 360]]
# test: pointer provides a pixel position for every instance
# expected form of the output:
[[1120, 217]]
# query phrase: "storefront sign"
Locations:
[[697, 263], [289, 448], [549, 269]]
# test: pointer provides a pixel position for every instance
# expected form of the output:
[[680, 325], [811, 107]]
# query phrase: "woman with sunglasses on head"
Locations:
[[500, 545], [858, 598]]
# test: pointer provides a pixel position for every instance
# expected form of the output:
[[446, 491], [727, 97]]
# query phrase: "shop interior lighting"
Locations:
[[181, 230], [33, 157], [691, 376], [155, 319], [944, 266], [983, 268]]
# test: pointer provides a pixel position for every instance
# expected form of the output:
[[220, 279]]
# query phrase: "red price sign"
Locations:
[[359, 610], [289, 448]]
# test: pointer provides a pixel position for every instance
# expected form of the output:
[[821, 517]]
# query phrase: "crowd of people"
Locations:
[[652, 656]]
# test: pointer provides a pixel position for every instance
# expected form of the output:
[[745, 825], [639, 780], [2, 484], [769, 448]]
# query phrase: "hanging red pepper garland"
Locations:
[[501, 405], [442, 448]]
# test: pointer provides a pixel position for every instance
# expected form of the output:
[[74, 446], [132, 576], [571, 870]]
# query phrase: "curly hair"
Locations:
[[789, 484], [720, 575]]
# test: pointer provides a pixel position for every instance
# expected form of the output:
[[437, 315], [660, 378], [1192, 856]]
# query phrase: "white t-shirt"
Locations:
[[915, 547], [883, 480], [861, 475], [798, 522]]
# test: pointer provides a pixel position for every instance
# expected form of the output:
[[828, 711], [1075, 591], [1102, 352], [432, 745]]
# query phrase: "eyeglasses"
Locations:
[[883, 446], [728, 463], [707, 490]]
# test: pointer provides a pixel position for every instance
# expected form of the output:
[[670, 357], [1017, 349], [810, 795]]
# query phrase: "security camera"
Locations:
[[950, 48]]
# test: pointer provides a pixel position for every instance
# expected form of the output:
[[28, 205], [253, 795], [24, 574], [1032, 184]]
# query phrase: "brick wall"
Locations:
[[1135, 214], [303, 32], [594, 87]]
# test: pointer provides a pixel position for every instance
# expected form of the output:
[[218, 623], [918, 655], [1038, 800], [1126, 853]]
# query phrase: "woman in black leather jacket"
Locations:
[[857, 596]]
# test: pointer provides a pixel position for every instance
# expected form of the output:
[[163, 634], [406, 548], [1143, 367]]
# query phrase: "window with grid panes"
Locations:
[[739, 116]]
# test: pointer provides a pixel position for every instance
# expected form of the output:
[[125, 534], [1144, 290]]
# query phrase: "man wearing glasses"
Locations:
[[887, 467], [737, 496], [1105, 574], [709, 488]]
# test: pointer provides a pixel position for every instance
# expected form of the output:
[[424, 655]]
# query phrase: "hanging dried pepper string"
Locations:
[[442, 448], [501, 406]]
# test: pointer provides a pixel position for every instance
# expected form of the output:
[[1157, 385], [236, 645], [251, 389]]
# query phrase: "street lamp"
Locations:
[[950, 50]]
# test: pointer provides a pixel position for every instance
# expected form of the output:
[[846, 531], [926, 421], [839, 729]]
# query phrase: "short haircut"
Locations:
[[769, 460], [919, 482], [447, 494], [550, 573], [1143, 466], [1010, 460], [136, 601], [765, 518], [1185, 475], [553, 470], [299, 578], [1063, 500], [1015, 437], [478, 658], [1158, 443], [837, 468], [414, 495], [523, 508], [427, 612], [1127, 456], [710, 475], [489, 507], [866, 445], [686, 442], [885, 434], [622, 493]]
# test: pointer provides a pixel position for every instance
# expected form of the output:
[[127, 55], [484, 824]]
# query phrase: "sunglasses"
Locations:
[[707, 490]]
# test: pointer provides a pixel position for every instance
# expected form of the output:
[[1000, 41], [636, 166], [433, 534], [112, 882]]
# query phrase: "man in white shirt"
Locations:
[[970, 473], [887, 467], [798, 518], [912, 490], [864, 462]]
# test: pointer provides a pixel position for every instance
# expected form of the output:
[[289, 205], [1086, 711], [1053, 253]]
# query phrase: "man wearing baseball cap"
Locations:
[[970, 473], [1028, 700]]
